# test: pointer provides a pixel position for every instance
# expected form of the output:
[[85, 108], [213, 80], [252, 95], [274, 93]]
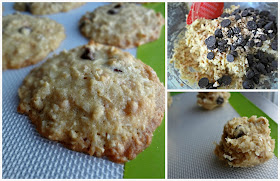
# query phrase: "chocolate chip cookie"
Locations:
[[246, 142], [28, 40], [124, 25], [210, 100], [95, 99], [42, 8]]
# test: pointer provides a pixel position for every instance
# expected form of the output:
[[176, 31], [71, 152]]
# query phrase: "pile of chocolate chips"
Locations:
[[263, 20]]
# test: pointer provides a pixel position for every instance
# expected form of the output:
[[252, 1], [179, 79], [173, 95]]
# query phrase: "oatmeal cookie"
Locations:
[[246, 142], [42, 8], [210, 100], [28, 40], [125, 25], [95, 99]]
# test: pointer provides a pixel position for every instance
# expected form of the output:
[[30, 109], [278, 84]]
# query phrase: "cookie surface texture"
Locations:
[[125, 25], [42, 8], [28, 40], [246, 142], [211, 100], [95, 99]]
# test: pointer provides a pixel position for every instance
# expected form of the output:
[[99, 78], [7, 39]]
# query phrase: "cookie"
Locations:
[[95, 99], [125, 25], [28, 40], [42, 8], [246, 142], [211, 100]]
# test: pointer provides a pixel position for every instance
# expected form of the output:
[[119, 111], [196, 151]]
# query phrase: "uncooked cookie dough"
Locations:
[[236, 50], [95, 99], [42, 8], [125, 25], [169, 100], [246, 142], [210, 100]]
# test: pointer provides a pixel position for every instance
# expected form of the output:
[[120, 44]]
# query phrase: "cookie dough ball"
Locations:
[[42, 8], [95, 99], [125, 25], [246, 142], [210, 100], [169, 100]]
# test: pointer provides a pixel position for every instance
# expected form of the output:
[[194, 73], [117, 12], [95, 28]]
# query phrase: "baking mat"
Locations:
[[192, 132], [25, 153], [151, 162], [176, 30]]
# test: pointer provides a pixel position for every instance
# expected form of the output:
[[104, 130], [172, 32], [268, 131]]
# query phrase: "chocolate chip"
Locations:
[[263, 37], [222, 42], [211, 48], [224, 15], [269, 69], [219, 33], [264, 13], [221, 49], [226, 80], [274, 64], [230, 33], [250, 74], [234, 53], [271, 18], [251, 43], [274, 44], [210, 55], [117, 70], [261, 68], [248, 84], [237, 17], [238, 131], [203, 82], [257, 12], [233, 47], [244, 13], [225, 23], [259, 44], [256, 79], [250, 9], [230, 58], [113, 11], [237, 11], [236, 30], [210, 41], [88, 54], [118, 6], [271, 35], [259, 54], [264, 60], [220, 100], [251, 25], [269, 26], [240, 40], [254, 17]]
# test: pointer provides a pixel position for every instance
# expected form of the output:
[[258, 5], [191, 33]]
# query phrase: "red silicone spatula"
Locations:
[[207, 10]]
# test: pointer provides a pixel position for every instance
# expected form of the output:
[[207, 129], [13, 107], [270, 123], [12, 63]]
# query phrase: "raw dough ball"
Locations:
[[246, 142], [210, 100], [170, 100]]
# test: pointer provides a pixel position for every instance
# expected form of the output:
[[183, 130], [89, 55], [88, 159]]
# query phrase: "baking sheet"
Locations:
[[25, 153], [176, 30], [192, 132]]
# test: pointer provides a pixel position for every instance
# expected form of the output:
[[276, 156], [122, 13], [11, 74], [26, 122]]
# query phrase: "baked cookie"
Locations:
[[28, 40], [95, 99], [210, 100], [41, 8], [246, 142], [125, 25]]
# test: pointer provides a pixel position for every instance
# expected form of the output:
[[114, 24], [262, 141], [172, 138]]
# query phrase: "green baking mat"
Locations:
[[151, 162], [246, 108]]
